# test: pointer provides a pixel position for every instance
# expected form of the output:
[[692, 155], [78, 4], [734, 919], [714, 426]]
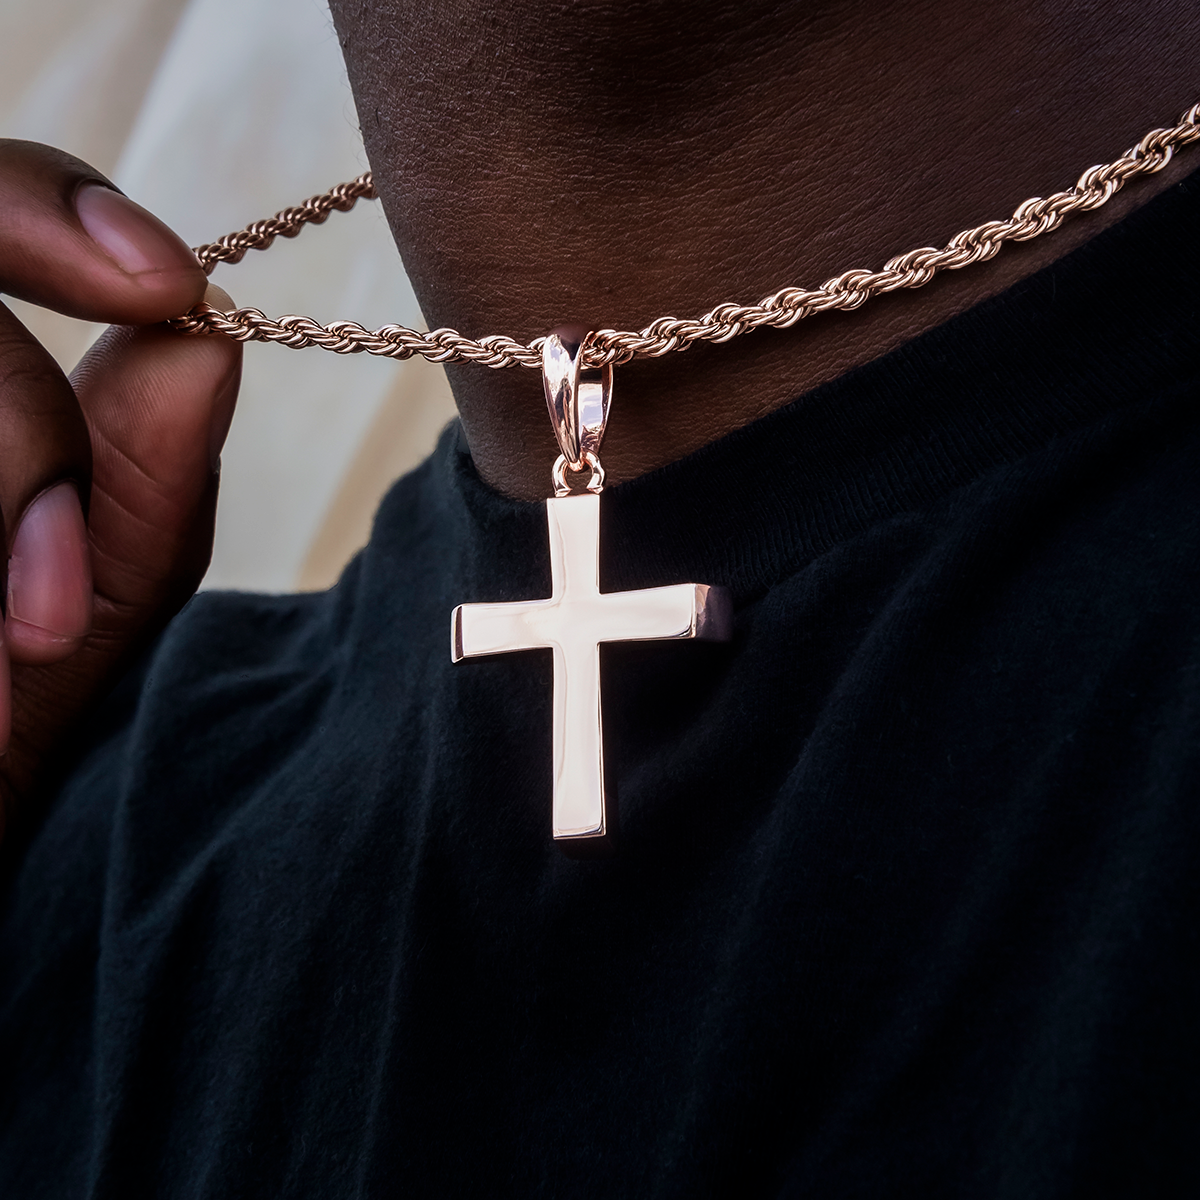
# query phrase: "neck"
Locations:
[[607, 164]]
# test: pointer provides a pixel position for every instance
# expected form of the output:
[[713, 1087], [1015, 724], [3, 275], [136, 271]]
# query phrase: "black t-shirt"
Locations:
[[907, 892]]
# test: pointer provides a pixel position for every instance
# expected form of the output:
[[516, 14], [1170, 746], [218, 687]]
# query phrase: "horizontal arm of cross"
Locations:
[[682, 610], [477, 629]]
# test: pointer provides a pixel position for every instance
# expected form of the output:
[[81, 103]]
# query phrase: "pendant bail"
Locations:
[[578, 406]]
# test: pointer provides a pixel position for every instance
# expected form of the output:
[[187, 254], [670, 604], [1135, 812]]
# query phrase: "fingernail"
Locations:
[[50, 568], [137, 241]]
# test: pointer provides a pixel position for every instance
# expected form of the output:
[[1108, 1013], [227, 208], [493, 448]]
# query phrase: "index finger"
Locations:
[[71, 242]]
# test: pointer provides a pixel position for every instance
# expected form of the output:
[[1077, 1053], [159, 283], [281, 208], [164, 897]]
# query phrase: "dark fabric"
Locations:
[[906, 900]]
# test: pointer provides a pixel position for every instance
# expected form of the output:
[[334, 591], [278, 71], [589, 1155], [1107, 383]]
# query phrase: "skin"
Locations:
[[605, 164], [133, 434], [548, 164]]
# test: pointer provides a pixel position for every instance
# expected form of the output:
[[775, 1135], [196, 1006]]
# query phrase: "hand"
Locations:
[[108, 481]]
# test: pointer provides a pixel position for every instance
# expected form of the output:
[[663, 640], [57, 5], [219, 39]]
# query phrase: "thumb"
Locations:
[[158, 406]]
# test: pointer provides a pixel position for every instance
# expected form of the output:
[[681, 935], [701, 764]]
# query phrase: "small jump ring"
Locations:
[[595, 485]]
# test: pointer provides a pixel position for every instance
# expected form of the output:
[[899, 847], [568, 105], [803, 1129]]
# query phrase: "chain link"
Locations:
[[780, 310]]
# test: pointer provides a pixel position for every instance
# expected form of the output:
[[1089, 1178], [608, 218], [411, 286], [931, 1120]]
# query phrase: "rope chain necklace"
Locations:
[[1095, 187], [577, 617]]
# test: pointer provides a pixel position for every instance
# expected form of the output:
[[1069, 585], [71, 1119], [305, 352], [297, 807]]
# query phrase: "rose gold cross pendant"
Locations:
[[578, 617]]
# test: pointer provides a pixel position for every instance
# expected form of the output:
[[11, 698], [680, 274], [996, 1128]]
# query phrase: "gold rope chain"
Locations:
[[779, 310]]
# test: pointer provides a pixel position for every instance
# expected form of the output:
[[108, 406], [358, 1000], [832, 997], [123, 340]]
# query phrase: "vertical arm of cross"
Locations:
[[579, 802]]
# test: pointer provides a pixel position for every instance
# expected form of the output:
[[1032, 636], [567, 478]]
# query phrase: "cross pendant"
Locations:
[[573, 622]]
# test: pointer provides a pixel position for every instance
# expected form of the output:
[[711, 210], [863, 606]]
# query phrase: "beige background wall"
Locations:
[[214, 113]]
